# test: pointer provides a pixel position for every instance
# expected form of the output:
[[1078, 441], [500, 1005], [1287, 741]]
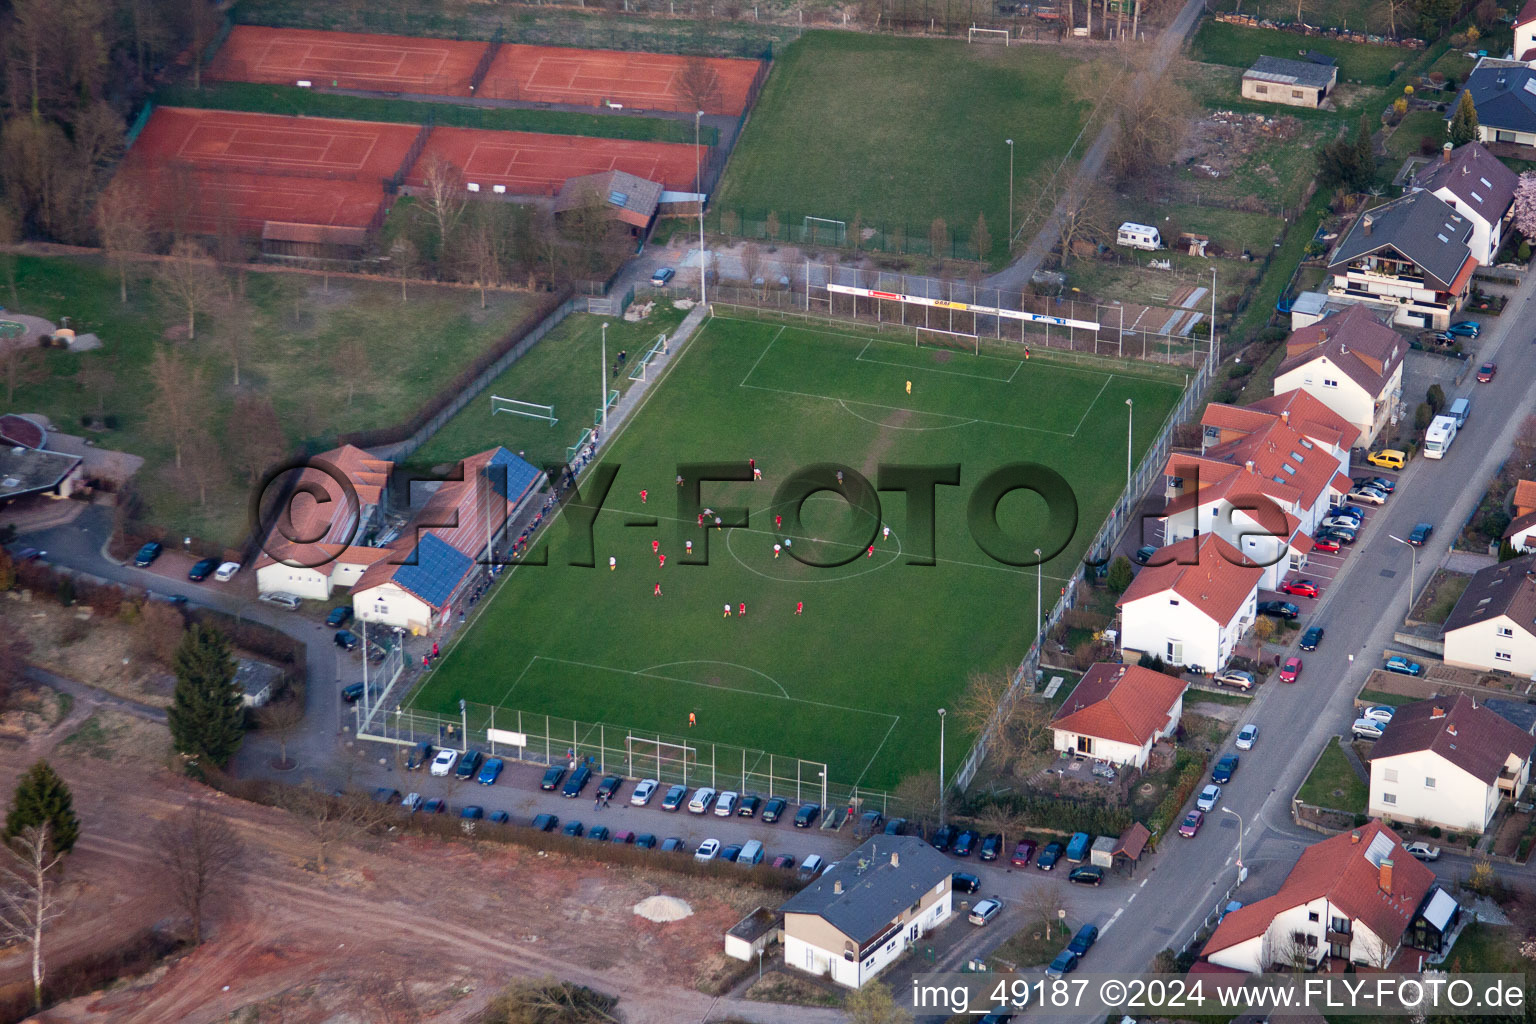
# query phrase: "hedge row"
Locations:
[[1189, 769], [1063, 814]]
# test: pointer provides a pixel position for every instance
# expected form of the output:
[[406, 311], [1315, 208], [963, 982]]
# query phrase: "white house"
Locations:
[[1356, 897], [1412, 255], [1191, 604], [1117, 713], [1448, 762], [1525, 33], [1352, 363], [320, 540], [1477, 185], [857, 918], [1504, 95], [1521, 533], [1493, 626]]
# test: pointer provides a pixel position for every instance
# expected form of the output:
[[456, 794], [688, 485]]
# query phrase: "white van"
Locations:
[[1439, 437], [1459, 411], [751, 854], [1138, 236]]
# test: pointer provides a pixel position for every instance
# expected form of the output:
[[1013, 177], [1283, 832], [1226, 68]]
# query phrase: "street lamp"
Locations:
[[1010, 192], [1239, 817], [941, 766], [602, 379], [1130, 415], [1039, 571], [1413, 567], [698, 188]]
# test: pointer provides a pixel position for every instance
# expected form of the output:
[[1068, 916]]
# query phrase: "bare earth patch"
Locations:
[[94, 650]]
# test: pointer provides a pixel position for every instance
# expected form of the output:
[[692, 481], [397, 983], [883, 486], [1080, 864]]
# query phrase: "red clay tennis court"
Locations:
[[268, 143], [531, 164], [650, 81], [285, 56], [197, 200]]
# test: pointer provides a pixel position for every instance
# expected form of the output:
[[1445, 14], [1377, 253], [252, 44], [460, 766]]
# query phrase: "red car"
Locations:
[[1486, 371], [1290, 670], [1326, 544], [1023, 853], [1191, 824], [1305, 588]]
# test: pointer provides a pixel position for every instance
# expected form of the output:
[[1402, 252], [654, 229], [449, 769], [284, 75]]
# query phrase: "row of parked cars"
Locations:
[[963, 842]]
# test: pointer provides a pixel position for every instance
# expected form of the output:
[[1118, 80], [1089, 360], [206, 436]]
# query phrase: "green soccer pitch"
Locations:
[[856, 680]]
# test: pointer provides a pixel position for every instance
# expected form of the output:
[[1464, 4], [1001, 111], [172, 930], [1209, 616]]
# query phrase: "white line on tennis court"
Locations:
[[766, 347]]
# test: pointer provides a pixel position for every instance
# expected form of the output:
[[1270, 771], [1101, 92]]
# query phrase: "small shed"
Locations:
[[1295, 83], [1131, 843], [258, 680], [1103, 853], [752, 934], [627, 199]]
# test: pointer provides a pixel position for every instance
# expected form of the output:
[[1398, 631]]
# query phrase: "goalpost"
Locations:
[[644, 362], [985, 32], [947, 339], [839, 229], [533, 410]]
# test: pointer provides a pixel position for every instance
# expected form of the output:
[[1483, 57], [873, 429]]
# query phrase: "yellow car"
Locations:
[[1389, 458]]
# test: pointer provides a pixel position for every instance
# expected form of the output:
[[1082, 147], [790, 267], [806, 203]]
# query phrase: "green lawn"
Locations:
[[298, 352], [1239, 46], [1416, 126], [1381, 697], [1334, 783], [561, 370], [898, 132], [296, 102], [843, 683]]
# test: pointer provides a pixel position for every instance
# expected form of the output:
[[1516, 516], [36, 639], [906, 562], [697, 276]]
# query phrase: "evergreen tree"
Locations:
[[1365, 152], [1507, 550], [1464, 121], [1120, 575], [207, 714], [44, 798]]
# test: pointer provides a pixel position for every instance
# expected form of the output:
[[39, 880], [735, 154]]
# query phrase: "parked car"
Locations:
[[1247, 737], [673, 844], [1023, 853], [1279, 609], [1049, 856], [702, 798], [1209, 797], [226, 571], [869, 823], [420, 754], [1065, 963], [991, 847], [443, 763], [1226, 767], [352, 693], [386, 795], [1401, 665], [552, 776], [609, 787], [1387, 458], [1083, 941], [1302, 588], [674, 798], [1385, 484], [436, 805], [965, 843], [784, 861], [1366, 729], [1087, 874], [469, 764], [749, 806], [896, 827], [944, 837], [339, 616], [202, 569], [960, 881], [644, 790], [1290, 670], [645, 841], [662, 276], [1339, 536], [1486, 372], [623, 837], [1348, 511], [474, 812], [1325, 544], [490, 771], [812, 866], [985, 910], [1077, 847], [1236, 677], [1464, 329], [1379, 713], [773, 810], [1423, 851], [346, 640], [577, 782], [725, 805], [730, 853], [500, 818], [573, 828], [1144, 554], [1420, 534], [147, 554], [807, 815], [1312, 637], [1369, 495], [1338, 522], [281, 599], [1190, 827]]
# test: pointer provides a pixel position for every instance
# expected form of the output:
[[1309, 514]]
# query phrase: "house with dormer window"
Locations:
[[1352, 363], [1412, 255]]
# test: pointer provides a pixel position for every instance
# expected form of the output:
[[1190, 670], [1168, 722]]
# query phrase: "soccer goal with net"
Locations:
[[987, 35], [825, 230], [933, 337], [533, 410], [643, 364]]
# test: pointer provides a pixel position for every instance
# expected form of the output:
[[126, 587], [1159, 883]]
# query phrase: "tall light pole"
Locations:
[[698, 187], [1130, 414], [941, 766], [1413, 568], [602, 378], [1039, 575], [1239, 818], [1010, 193]]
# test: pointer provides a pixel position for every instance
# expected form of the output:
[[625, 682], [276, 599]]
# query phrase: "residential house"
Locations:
[[1352, 363], [1521, 533], [1191, 604], [1493, 626], [1504, 95], [1412, 254], [322, 538], [623, 197], [1117, 713], [1524, 48], [1264, 479], [1356, 897], [1477, 185], [30, 467], [876, 902], [448, 545], [1296, 83], [1448, 762], [257, 680]]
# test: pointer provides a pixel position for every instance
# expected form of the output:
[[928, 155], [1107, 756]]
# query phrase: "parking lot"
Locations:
[[1322, 567]]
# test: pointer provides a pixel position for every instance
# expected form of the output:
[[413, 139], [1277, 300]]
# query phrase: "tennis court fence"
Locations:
[[534, 737]]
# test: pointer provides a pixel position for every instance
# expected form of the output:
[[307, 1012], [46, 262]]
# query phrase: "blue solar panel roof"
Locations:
[[434, 568], [518, 477]]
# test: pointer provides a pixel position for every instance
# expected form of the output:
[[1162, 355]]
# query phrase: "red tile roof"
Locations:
[[1527, 14], [1364, 349], [1344, 870], [1122, 703], [1525, 490], [1473, 738], [1308, 414], [1205, 570], [311, 531]]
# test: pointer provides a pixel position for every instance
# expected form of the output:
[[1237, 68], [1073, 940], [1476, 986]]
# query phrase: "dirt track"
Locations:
[[406, 929]]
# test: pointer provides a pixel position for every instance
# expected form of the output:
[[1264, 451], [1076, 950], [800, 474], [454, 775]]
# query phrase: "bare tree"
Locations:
[[200, 25], [203, 462], [1283, 949], [189, 281], [1081, 213], [1045, 902], [199, 850], [1393, 8], [444, 198], [122, 226], [984, 695], [751, 262], [938, 238], [1002, 819], [700, 84], [330, 820], [180, 407], [873, 1004], [281, 718], [348, 359], [482, 252], [256, 435], [10, 234], [29, 899], [403, 260], [1155, 113], [982, 238], [236, 324], [920, 793]]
